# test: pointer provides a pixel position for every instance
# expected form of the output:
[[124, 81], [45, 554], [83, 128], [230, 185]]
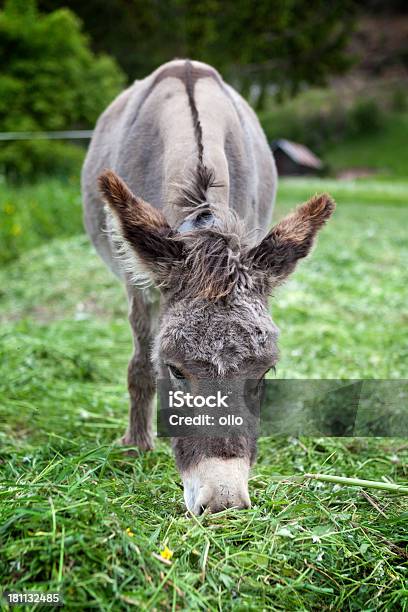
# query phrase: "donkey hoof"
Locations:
[[143, 444]]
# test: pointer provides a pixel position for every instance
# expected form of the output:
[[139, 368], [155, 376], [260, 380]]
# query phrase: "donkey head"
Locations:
[[215, 322]]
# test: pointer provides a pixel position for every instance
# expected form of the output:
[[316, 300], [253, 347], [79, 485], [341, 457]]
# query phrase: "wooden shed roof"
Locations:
[[298, 153]]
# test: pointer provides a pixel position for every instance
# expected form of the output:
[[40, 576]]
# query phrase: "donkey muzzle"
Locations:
[[217, 484]]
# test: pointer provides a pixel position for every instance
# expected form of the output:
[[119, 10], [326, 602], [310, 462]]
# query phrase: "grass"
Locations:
[[381, 151], [350, 294], [78, 515]]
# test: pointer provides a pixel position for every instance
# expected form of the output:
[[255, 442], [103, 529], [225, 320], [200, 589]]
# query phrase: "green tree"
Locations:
[[277, 44], [280, 45], [49, 80]]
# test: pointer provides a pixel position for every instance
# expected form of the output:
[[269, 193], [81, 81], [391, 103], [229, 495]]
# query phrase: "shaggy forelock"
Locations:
[[222, 335], [215, 264]]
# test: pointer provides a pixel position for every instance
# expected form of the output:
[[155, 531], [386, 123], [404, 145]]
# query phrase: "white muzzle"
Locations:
[[217, 484]]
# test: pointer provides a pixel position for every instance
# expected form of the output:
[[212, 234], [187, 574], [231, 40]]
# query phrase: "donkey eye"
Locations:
[[176, 372]]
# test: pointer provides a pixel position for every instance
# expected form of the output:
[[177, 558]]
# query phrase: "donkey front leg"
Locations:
[[141, 379]]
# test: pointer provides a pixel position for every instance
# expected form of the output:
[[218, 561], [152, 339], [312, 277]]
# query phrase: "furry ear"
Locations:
[[291, 239], [143, 227]]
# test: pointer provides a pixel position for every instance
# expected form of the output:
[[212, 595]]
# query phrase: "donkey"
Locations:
[[189, 183]]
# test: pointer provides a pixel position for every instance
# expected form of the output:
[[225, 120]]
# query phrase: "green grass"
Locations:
[[382, 151], [68, 494]]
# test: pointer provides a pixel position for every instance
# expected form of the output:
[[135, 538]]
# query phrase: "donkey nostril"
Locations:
[[215, 507], [220, 506]]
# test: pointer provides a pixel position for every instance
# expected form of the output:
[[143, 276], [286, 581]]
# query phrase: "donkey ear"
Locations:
[[291, 239], [143, 227]]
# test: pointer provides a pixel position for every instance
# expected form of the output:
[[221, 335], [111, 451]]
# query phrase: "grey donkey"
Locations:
[[189, 183]]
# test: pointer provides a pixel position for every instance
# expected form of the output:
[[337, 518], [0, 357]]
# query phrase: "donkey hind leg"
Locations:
[[141, 379]]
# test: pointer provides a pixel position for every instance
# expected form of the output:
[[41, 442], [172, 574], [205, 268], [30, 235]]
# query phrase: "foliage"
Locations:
[[79, 516], [31, 215], [321, 128], [49, 80], [30, 159], [400, 99], [365, 117], [286, 42], [382, 150]]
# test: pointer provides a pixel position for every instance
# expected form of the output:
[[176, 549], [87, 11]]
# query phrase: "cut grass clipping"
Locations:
[[350, 482]]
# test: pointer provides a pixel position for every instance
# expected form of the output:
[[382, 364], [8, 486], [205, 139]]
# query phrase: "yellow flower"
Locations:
[[16, 229], [129, 532], [166, 553]]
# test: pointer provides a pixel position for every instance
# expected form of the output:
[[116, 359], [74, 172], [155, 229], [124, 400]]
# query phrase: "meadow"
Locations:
[[110, 531]]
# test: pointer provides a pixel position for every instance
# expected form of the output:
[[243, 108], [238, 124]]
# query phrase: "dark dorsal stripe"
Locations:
[[195, 192], [187, 74], [198, 131]]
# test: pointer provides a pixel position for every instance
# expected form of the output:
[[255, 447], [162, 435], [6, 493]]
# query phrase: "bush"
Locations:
[[365, 118], [400, 100], [34, 158], [320, 129], [50, 80], [32, 214]]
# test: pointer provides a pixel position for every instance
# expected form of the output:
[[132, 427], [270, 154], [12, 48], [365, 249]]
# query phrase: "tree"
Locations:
[[281, 44], [278, 43], [49, 80]]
